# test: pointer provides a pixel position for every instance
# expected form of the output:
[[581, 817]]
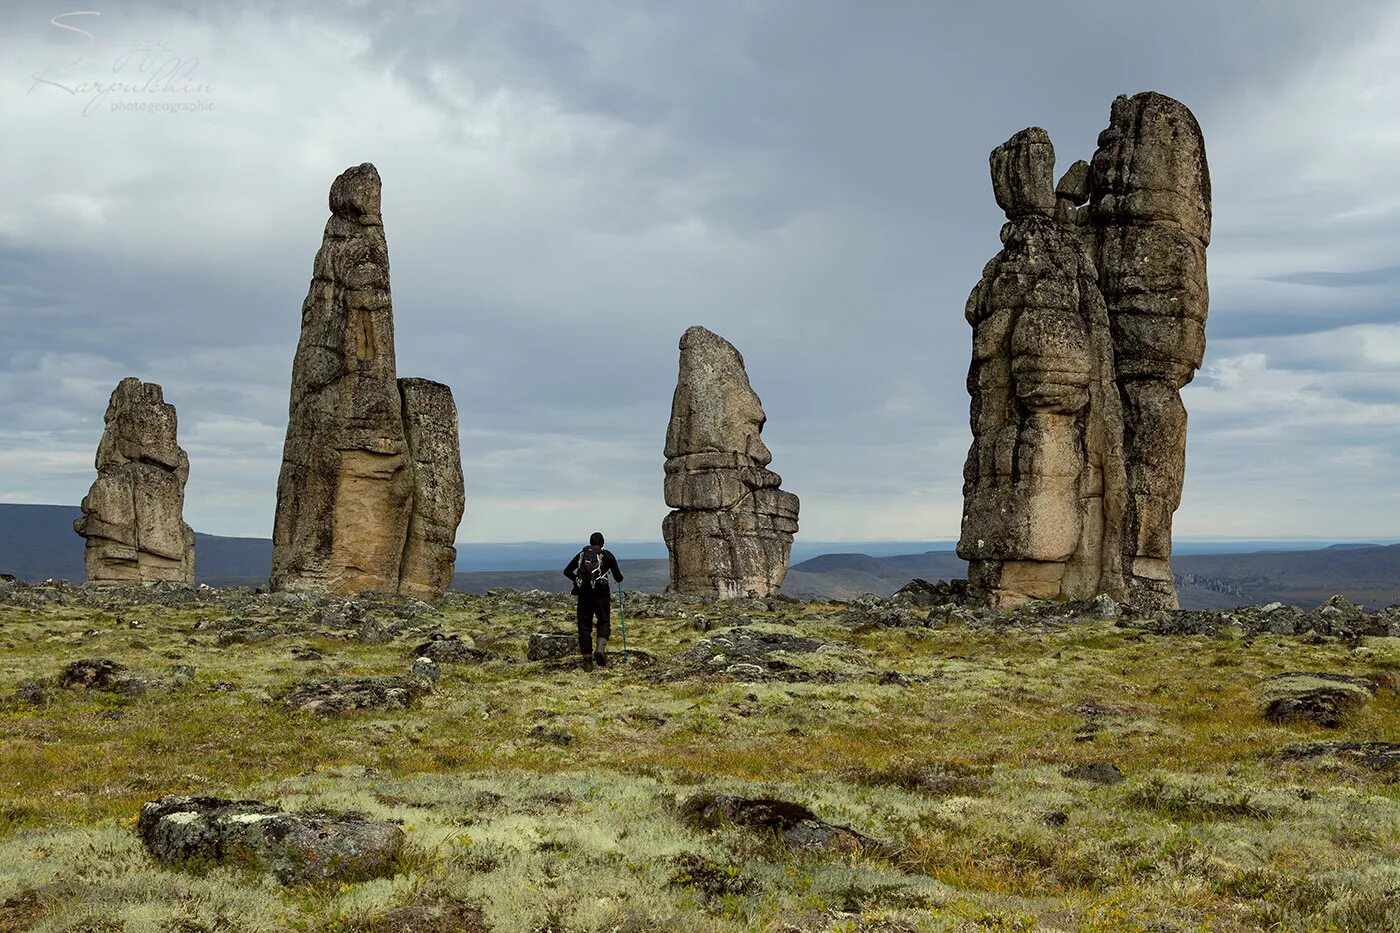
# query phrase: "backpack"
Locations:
[[590, 568]]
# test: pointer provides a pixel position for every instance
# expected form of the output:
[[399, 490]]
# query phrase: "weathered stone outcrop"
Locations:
[[1149, 217], [435, 463], [295, 848], [731, 530], [1085, 327], [1043, 487], [133, 515], [792, 823], [370, 492]]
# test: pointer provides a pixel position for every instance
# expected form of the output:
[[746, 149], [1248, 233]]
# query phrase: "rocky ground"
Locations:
[[227, 760]]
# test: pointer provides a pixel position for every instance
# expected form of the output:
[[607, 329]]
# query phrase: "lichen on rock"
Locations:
[[370, 492], [731, 529], [133, 516]]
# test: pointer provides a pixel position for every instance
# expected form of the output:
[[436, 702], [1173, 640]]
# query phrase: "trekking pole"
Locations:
[[622, 616]]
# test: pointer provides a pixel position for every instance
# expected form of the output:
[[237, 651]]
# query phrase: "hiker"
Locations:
[[589, 572]]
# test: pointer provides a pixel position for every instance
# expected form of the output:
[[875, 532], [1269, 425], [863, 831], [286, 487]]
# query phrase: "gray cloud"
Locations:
[[1387, 275], [567, 187]]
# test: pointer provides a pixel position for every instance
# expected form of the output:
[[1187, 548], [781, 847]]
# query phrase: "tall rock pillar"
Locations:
[[346, 496], [435, 463], [1043, 487], [1149, 219], [133, 516], [731, 530]]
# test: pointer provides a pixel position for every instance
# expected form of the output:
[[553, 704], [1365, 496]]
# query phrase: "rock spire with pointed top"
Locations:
[[370, 493]]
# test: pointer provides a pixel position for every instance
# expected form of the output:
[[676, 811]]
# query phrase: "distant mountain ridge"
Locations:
[[37, 542]]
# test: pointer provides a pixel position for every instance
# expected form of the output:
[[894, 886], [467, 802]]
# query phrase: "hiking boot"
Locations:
[[600, 658], [588, 662]]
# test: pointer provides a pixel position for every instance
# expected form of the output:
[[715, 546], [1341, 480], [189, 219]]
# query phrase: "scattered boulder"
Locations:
[[243, 634], [294, 848], [1095, 773], [132, 519], [93, 674], [921, 594], [114, 677], [792, 823], [549, 646], [879, 613], [426, 669], [731, 529], [1324, 699], [373, 632], [1383, 756], [451, 650], [31, 693], [1336, 618], [552, 736], [748, 655], [747, 645], [344, 695]]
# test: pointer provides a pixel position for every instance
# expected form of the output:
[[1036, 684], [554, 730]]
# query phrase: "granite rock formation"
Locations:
[[1044, 481], [435, 463], [133, 515], [1085, 327], [295, 848], [731, 529], [370, 492], [1149, 216]]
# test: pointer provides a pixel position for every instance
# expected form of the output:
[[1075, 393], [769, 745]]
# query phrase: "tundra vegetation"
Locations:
[[1010, 771]]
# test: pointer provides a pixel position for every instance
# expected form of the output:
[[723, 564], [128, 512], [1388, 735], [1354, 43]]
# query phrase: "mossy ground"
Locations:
[[958, 769]]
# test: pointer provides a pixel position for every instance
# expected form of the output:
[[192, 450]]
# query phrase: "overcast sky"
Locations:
[[567, 187]]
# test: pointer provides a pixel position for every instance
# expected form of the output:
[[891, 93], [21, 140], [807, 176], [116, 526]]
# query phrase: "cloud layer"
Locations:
[[568, 187]]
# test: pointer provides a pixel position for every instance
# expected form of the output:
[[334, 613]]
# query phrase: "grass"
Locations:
[[958, 770]]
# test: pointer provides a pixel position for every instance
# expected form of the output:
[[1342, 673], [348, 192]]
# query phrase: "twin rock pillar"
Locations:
[[371, 492], [1085, 327]]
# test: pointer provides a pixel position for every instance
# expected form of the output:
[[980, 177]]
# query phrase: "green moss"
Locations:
[[957, 767]]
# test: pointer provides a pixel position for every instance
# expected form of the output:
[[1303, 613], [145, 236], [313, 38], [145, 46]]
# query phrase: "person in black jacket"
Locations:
[[589, 572]]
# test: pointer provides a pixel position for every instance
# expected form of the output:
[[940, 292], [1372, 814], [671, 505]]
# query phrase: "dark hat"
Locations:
[[596, 539]]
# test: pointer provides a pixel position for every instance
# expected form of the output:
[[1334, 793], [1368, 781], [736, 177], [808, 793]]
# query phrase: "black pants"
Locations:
[[596, 603]]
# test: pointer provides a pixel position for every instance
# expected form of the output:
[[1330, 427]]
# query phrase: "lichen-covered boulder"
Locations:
[[731, 529], [450, 650], [792, 823], [355, 694], [545, 646], [133, 516], [295, 848], [1321, 698]]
